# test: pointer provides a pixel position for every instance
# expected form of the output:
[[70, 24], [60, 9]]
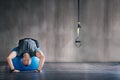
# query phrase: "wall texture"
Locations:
[[54, 23]]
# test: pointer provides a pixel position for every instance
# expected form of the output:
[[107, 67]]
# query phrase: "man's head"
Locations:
[[26, 60]]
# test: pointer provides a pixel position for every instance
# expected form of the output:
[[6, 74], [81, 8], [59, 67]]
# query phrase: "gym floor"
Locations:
[[66, 71]]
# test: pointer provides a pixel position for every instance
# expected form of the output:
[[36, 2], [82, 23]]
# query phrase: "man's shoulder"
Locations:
[[15, 49]]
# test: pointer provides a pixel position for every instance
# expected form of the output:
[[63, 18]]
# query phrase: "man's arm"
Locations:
[[41, 56], [9, 60]]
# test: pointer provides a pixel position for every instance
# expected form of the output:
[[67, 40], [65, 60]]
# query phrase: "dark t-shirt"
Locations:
[[27, 46]]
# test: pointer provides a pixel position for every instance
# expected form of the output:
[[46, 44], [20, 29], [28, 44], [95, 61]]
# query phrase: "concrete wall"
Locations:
[[54, 23]]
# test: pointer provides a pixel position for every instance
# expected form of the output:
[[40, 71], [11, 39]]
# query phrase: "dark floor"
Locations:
[[66, 71]]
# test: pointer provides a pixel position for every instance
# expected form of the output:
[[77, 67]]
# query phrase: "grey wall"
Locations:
[[54, 23]]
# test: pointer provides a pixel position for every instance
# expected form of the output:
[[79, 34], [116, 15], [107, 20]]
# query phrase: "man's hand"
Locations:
[[15, 70], [38, 70]]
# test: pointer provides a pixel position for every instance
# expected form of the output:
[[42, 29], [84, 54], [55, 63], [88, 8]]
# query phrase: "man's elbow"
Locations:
[[43, 56], [9, 58]]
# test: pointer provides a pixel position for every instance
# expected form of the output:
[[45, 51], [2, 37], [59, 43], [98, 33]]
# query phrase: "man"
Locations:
[[26, 49]]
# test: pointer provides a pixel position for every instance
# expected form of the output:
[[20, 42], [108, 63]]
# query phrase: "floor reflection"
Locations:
[[26, 76], [67, 71]]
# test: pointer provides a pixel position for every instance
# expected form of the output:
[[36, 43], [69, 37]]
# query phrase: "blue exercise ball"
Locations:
[[17, 62]]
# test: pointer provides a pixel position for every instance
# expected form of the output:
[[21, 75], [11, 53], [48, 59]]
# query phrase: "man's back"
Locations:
[[27, 46]]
